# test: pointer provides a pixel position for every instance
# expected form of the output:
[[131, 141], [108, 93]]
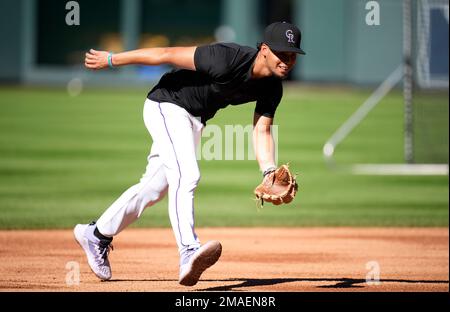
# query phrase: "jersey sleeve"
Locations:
[[267, 104], [215, 60]]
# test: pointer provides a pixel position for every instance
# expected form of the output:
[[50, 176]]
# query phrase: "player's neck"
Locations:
[[260, 70]]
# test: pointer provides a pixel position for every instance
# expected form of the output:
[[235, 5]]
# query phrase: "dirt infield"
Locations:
[[253, 259]]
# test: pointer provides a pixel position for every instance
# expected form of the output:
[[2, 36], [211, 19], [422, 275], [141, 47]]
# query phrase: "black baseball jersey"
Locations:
[[222, 77]]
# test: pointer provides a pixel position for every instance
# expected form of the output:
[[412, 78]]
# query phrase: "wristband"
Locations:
[[110, 64], [269, 170]]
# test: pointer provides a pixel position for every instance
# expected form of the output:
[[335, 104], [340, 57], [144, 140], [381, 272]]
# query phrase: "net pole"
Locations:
[[408, 83]]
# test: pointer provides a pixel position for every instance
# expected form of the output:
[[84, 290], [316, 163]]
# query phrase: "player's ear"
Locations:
[[264, 49]]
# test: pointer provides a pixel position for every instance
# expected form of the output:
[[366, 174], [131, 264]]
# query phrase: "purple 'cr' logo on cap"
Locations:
[[290, 36]]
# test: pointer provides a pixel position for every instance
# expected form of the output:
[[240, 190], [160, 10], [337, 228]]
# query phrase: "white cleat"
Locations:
[[195, 262], [96, 250]]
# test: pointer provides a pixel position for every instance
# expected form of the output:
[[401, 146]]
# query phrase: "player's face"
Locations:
[[281, 63]]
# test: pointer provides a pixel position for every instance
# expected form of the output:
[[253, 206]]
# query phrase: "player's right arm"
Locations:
[[182, 57]]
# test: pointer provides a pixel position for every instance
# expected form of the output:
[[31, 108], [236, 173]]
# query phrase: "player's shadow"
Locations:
[[335, 282]]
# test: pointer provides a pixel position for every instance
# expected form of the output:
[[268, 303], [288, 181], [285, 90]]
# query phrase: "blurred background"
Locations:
[[71, 140], [39, 47]]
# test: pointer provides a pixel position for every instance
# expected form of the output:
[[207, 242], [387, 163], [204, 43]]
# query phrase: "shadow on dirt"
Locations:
[[334, 282]]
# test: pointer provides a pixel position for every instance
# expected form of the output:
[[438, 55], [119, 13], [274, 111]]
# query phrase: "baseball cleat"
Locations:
[[96, 250], [195, 261]]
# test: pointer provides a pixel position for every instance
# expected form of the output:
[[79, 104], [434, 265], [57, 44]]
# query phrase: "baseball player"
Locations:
[[207, 78]]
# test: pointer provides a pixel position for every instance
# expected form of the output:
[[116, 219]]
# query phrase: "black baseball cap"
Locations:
[[283, 37]]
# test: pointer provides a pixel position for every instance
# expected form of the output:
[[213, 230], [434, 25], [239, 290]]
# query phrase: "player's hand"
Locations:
[[96, 59], [278, 186]]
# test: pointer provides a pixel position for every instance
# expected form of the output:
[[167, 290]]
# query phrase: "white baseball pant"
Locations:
[[172, 165]]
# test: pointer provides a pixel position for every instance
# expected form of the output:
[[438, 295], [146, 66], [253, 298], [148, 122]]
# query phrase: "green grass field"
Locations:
[[64, 160]]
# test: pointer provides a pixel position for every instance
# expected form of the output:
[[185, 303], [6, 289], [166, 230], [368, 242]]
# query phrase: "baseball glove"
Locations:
[[278, 186]]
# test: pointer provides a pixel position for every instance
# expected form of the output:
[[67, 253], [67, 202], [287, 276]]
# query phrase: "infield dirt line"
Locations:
[[253, 259]]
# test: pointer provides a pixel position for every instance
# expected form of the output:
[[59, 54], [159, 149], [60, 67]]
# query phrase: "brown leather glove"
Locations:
[[277, 187]]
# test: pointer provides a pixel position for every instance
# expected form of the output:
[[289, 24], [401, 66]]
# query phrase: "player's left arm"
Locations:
[[263, 142]]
